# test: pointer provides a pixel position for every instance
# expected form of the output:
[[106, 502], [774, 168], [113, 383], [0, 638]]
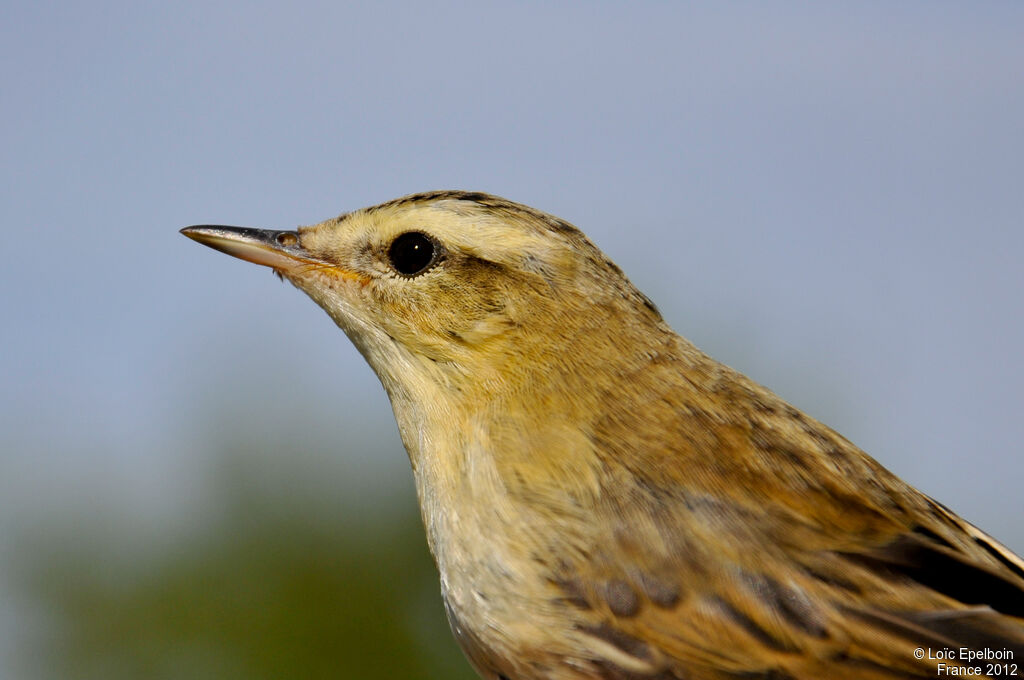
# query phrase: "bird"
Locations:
[[602, 499]]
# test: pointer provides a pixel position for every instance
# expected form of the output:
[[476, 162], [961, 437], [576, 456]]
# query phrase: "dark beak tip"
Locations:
[[197, 231]]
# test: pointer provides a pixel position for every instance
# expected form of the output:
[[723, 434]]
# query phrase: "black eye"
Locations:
[[412, 253]]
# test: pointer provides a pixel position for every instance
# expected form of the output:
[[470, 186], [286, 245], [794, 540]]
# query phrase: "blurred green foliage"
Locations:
[[262, 585]]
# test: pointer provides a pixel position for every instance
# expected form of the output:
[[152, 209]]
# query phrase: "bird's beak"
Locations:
[[277, 249]]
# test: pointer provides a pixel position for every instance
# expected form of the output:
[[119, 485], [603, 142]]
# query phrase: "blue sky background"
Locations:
[[826, 196]]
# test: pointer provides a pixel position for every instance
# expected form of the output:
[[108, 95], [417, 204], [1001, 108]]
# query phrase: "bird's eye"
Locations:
[[412, 253]]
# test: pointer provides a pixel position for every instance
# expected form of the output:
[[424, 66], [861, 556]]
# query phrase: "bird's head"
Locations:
[[465, 290]]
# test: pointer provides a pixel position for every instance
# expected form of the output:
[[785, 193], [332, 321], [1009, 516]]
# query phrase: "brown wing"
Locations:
[[776, 611], [761, 544]]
